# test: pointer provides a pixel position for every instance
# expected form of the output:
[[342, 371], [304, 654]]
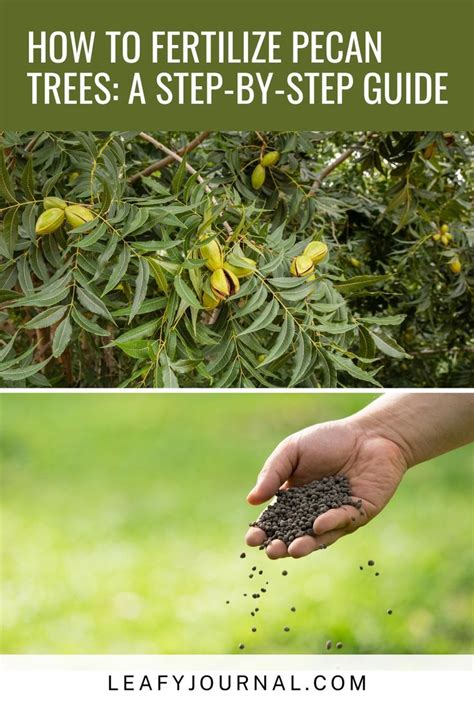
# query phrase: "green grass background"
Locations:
[[123, 518]]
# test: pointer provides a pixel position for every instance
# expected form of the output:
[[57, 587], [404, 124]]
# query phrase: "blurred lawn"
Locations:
[[122, 524]]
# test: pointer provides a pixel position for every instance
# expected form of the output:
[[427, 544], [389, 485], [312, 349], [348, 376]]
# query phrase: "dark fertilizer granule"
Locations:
[[243, 555], [295, 510], [293, 609], [389, 611], [241, 646], [371, 562], [328, 644], [284, 572], [286, 629], [339, 645]]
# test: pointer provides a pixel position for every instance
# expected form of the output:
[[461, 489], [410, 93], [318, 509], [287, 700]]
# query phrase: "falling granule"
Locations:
[[339, 645], [286, 629], [371, 562], [389, 611], [328, 644], [227, 602], [376, 574], [241, 646], [284, 572], [293, 609], [361, 567], [243, 555], [254, 629], [254, 568]]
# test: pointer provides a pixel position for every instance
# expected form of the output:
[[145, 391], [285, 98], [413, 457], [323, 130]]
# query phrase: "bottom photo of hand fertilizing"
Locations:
[[197, 523]]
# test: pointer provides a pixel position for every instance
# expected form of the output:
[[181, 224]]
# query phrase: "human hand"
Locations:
[[373, 463]]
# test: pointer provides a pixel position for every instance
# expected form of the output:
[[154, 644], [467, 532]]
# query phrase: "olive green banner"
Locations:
[[276, 64]]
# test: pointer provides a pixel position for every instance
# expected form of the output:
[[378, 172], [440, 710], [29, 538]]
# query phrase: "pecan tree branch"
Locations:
[[163, 162], [340, 159], [176, 157]]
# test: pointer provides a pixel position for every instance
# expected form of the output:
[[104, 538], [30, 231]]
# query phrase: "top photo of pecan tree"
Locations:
[[235, 259]]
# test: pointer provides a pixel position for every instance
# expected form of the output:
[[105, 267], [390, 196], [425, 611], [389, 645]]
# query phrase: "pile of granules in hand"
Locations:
[[295, 510]]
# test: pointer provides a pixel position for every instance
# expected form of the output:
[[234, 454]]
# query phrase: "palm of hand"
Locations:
[[374, 466]]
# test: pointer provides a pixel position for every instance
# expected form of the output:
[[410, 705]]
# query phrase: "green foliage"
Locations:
[[123, 517], [125, 290]]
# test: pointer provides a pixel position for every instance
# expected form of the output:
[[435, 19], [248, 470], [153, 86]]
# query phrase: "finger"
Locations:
[[343, 517], [276, 470], [277, 549], [255, 536], [308, 544]]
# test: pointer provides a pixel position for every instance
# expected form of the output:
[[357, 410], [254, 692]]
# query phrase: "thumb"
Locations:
[[276, 470]]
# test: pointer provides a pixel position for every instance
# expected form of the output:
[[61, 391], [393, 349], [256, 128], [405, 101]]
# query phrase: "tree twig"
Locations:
[[163, 162], [175, 156], [437, 351], [340, 159], [32, 143], [28, 149]]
